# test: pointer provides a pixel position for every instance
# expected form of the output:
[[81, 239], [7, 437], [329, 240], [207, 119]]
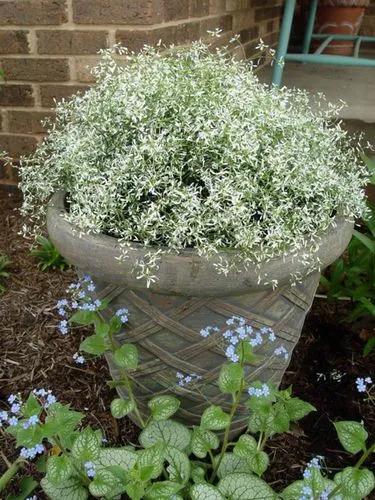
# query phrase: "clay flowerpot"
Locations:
[[165, 319], [339, 17]]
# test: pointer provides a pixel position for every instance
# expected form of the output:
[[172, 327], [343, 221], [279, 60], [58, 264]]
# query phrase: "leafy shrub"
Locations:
[[48, 255], [4, 264], [353, 275], [190, 150], [173, 462]]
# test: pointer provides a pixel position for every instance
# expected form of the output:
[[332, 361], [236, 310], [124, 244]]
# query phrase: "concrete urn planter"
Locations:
[[165, 319]]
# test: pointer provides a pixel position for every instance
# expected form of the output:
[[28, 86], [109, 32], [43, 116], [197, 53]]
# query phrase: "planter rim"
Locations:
[[183, 273]]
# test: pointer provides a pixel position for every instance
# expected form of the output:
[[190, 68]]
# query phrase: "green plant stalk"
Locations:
[[10, 473], [363, 458], [124, 377], [236, 402]]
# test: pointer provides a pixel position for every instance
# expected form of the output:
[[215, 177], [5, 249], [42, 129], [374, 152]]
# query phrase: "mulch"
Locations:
[[33, 354]]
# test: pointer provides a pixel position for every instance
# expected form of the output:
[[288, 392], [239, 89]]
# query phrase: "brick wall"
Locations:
[[46, 46]]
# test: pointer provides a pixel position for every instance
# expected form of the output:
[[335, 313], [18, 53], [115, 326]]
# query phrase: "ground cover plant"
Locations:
[[4, 265], [353, 275], [171, 461], [189, 150], [47, 254], [320, 372]]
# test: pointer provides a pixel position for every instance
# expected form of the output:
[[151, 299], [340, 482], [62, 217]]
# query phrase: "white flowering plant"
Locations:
[[172, 461], [187, 149]]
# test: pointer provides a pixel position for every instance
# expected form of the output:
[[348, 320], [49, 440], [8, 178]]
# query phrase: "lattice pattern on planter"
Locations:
[[166, 330]]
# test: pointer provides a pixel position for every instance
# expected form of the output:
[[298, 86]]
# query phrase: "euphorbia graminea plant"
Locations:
[[173, 462], [187, 149]]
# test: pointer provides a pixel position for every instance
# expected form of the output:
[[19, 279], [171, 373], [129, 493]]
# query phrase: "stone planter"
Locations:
[[165, 320]]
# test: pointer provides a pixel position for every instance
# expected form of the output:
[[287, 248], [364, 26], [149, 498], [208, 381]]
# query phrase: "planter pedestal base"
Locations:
[[166, 329]]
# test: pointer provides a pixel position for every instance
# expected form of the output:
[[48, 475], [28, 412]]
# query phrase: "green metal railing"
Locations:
[[318, 57]]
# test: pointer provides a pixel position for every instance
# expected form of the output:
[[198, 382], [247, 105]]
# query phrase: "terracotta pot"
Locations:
[[338, 20], [165, 319]]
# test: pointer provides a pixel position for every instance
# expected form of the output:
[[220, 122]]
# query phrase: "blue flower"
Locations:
[[12, 398], [258, 392], [15, 408], [13, 421], [3, 416], [307, 493], [30, 453], [362, 383], [314, 463], [40, 392], [236, 319], [123, 315], [79, 359], [257, 340], [90, 469], [61, 303], [231, 354], [183, 380], [281, 351], [63, 327], [33, 420], [50, 400]]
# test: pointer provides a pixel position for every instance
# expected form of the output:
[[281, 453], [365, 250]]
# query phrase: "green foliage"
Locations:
[[352, 436], [353, 275], [173, 462], [48, 255], [4, 264]]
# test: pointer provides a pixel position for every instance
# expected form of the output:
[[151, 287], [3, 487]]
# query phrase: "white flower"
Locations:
[[168, 157]]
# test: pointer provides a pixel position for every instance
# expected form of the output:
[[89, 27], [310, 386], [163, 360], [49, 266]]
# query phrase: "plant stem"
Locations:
[[235, 404], [10, 473], [124, 377], [364, 457], [260, 440]]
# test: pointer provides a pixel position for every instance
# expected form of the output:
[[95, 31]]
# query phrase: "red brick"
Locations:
[[223, 23], [199, 8], [177, 34], [262, 14], [118, 11], [71, 42], [175, 9], [17, 145], [27, 122], [36, 70], [13, 42], [32, 12], [233, 5], [217, 6], [49, 93], [16, 95], [243, 20], [249, 34]]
